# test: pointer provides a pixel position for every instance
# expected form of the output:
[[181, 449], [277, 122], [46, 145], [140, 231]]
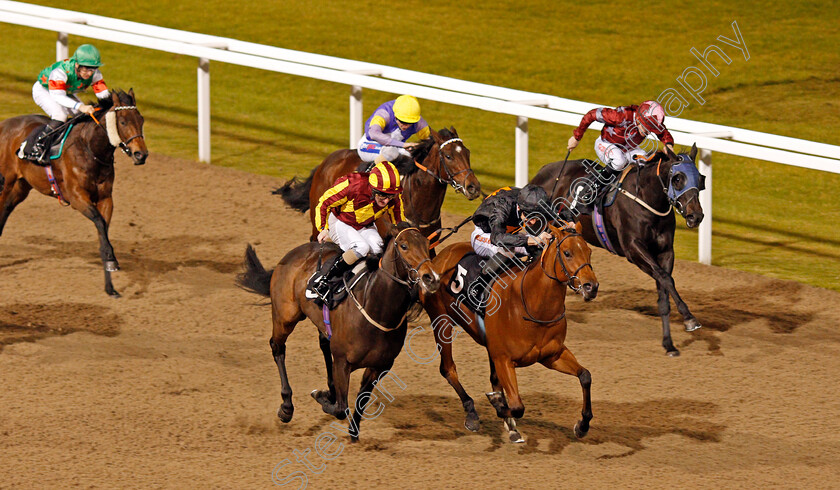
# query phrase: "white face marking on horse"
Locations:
[[458, 148]]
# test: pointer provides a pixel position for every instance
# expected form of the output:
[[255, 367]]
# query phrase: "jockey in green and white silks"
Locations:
[[56, 88], [389, 127]]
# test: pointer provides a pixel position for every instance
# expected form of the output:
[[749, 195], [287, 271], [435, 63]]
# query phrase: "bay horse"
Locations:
[[438, 161], [643, 234], [84, 173], [367, 332], [527, 323]]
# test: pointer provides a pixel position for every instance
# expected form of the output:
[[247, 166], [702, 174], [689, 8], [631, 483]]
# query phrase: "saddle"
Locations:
[[471, 285], [338, 286], [56, 145]]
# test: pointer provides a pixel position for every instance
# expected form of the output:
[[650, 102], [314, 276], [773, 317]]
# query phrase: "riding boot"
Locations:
[[43, 142], [605, 177], [339, 267]]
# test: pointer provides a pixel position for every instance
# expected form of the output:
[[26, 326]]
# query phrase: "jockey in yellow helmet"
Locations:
[[389, 127]]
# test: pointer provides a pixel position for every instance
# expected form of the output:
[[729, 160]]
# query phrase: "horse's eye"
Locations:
[[122, 123], [403, 246], [448, 157], [567, 254]]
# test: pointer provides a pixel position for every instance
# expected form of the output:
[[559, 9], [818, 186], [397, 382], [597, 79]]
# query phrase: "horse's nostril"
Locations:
[[428, 279]]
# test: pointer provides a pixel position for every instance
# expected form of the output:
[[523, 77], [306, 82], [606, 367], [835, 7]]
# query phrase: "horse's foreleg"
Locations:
[[363, 399], [448, 371], [106, 208], [638, 255], [666, 261], [13, 193], [341, 377], [324, 343], [515, 409], [566, 363]]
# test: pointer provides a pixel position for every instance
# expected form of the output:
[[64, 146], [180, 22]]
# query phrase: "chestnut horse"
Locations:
[[84, 173], [438, 161], [644, 235], [524, 324], [367, 330]]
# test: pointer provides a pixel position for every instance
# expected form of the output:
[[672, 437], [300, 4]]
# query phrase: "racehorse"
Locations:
[[524, 322], [438, 161], [367, 332], [84, 173], [642, 228]]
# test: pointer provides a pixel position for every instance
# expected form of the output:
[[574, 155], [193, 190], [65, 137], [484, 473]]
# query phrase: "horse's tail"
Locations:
[[296, 192], [255, 279]]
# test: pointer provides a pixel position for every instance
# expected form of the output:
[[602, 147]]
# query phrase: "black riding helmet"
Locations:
[[530, 197]]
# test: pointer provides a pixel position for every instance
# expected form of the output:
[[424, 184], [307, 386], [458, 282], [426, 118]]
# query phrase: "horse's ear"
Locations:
[[435, 135], [671, 155], [131, 93], [579, 227], [393, 230], [693, 154], [453, 131], [115, 98]]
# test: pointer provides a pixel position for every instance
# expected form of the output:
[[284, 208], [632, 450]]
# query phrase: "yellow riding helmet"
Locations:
[[385, 178], [407, 109]]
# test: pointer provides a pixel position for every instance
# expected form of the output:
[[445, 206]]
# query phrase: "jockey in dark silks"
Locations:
[[507, 223]]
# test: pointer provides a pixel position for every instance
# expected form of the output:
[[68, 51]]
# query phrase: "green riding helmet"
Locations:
[[87, 55]]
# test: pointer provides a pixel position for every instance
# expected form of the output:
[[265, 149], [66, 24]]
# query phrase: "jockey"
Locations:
[[55, 90], [624, 130], [499, 219], [390, 125], [347, 211]]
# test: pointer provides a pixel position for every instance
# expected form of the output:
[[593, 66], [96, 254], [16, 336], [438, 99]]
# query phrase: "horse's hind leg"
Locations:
[[447, 370], [13, 193], [284, 325], [566, 363]]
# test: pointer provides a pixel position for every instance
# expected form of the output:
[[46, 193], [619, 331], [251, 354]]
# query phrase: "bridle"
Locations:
[[450, 177], [570, 277], [691, 183], [110, 128], [411, 282]]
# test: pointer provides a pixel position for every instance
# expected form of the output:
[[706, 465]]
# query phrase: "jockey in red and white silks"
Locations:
[[625, 128]]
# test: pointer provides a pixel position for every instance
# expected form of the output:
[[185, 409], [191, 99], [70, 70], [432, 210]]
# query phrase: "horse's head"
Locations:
[[125, 126], [684, 186], [572, 256], [410, 252], [454, 162]]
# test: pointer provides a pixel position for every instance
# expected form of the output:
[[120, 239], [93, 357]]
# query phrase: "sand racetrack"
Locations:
[[174, 383]]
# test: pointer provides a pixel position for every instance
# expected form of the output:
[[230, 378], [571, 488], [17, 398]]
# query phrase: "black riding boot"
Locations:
[[605, 177], [339, 267], [43, 142]]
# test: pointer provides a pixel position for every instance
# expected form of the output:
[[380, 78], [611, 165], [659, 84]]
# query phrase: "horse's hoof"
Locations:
[[673, 353], [692, 324], [580, 433], [513, 433], [472, 423], [114, 294], [284, 415], [112, 266], [354, 439]]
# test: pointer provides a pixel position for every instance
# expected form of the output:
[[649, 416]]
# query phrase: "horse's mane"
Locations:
[[419, 153], [124, 97]]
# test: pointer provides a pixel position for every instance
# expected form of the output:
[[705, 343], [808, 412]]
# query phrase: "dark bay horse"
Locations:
[[436, 162], [383, 296], [524, 323], [84, 173], [644, 236]]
